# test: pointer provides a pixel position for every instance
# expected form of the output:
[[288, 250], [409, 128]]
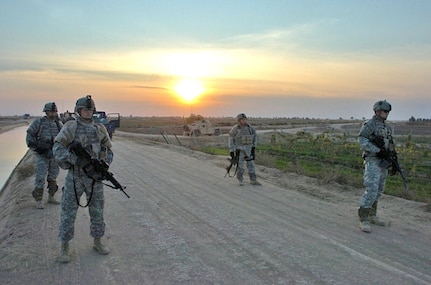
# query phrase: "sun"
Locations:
[[189, 89]]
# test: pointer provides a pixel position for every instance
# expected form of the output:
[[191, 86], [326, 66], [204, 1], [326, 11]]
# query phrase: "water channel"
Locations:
[[12, 150]]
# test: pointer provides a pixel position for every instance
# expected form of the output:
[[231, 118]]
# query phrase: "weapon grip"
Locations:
[[379, 141]]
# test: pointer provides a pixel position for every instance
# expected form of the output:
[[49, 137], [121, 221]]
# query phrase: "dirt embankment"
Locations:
[[186, 224], [9, 123]]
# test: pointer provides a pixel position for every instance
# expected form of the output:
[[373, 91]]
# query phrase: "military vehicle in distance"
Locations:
[[201, 127], [111, 121]]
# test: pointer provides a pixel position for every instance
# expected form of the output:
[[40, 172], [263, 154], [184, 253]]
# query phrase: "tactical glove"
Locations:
[[41, 150], [74, 145], [253, 153], [383, 153], [80, 162], [92, 172], [232, 154]]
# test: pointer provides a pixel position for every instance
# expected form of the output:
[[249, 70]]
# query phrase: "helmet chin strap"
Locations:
[[84, 119], [378, 115]]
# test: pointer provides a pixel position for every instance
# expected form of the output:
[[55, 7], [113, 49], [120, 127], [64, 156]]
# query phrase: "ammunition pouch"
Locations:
[[244, 140]]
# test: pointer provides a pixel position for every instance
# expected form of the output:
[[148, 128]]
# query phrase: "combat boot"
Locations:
[[373, 216], [39, 205], [364, 223], [99, 247], [253, 180], [52, 200], [64, 256], [37, 194], [52, 189], [240, 179]]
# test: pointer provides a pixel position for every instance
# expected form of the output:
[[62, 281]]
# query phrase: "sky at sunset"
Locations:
[[278, 58]]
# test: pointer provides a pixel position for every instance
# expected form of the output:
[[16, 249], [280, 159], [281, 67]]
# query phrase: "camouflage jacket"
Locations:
[[92, 136], [371, 129], [242, 137], [41, 134]]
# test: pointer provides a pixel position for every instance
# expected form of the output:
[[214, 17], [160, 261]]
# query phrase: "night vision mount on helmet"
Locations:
[[382, 105], [85, 102], [50, 107]]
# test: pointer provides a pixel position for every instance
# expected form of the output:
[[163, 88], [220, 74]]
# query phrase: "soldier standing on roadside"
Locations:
[[40, 139], [95, 139], [243, 140], [376, 166]]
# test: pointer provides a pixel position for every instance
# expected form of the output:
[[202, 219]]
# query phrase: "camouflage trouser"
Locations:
[[374, 181], [250, 166], [45, 168], [69, 206]]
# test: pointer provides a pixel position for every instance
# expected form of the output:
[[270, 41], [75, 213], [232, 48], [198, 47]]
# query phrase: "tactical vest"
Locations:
[[377, 128], [92, 136], [47, 131], [243, 136]]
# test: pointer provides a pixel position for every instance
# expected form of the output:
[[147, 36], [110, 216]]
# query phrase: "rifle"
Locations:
[[392, 157], [397, 168], [233, 161], [96, 169]]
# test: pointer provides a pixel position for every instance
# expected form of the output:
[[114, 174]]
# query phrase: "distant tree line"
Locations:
[[194, 118], [414, 120]]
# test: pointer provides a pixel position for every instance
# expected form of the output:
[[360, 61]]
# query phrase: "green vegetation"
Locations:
[[214, 150], [337, 158]]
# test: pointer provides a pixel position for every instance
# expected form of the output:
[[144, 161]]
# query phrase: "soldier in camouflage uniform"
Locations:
[[376, 165], [243, 139], [40, 139], [95, 139]]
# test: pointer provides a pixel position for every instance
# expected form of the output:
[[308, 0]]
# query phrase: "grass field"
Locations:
[[338, 159]]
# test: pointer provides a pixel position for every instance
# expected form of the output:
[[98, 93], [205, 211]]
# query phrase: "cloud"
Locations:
[[150, 87]]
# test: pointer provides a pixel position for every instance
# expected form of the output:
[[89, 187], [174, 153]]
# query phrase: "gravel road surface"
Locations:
[[186, 224]]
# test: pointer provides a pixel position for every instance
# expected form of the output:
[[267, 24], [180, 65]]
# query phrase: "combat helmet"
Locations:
[[85, 102], [241, 116], [50, 106], [382, 105]]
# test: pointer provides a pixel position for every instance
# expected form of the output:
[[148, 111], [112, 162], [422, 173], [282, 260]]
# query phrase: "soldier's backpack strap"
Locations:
[[58, 124], [102, 129], [39, 130]]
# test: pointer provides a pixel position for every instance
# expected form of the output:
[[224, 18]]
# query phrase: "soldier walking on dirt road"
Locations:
[[243, 141], [94, 138], [376, 165], [40, 139]]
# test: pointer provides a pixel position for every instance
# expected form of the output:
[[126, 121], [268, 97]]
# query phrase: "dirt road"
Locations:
[[186, 224]]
